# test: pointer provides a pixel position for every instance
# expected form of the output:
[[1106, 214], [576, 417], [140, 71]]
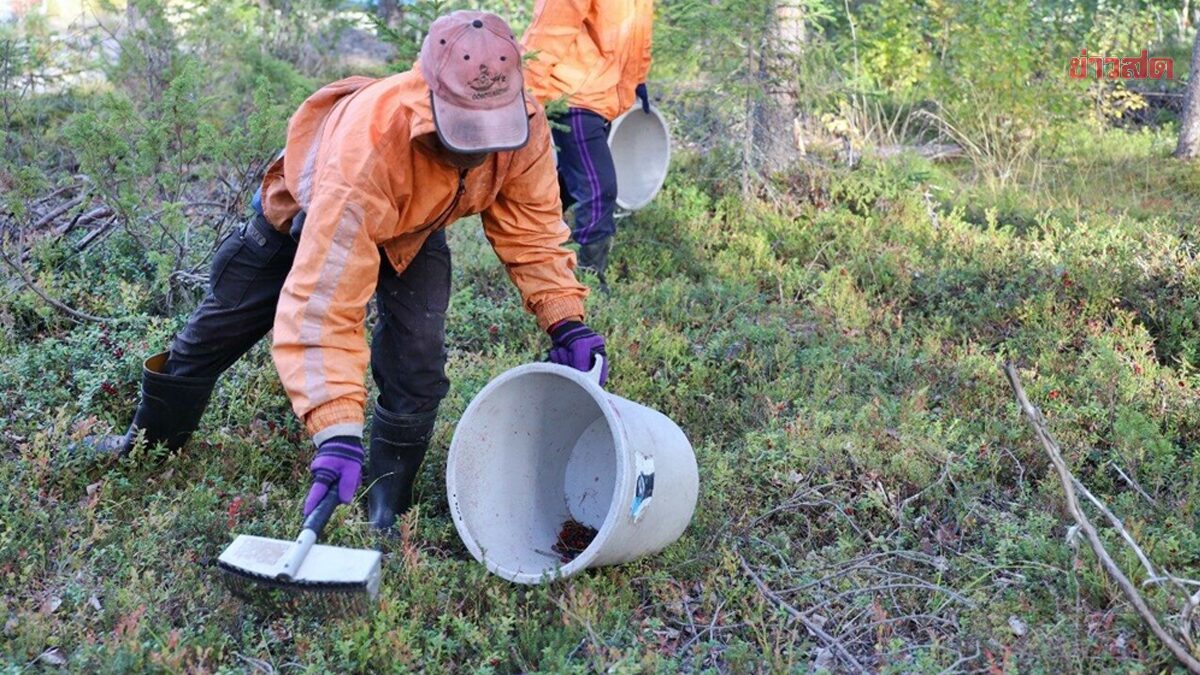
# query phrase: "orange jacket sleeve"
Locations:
[[526, 229], [319, 344]]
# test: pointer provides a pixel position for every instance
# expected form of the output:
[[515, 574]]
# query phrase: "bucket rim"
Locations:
[[622, 484], [630, 206]]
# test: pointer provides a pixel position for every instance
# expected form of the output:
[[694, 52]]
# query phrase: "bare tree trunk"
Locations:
[[781, 48], [388, 11], [792, 37], [748, 137], [1189, 122]]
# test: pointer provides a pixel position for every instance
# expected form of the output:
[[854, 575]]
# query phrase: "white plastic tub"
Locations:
[[640, 143], [542, 444]]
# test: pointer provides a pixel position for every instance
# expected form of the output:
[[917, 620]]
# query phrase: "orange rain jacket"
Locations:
[[351, 164], [594, 52]]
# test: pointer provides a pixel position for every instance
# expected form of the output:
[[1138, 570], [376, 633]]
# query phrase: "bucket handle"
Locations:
[[597, 369]]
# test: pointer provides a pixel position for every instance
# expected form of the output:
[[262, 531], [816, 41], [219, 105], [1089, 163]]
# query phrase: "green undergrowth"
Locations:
[[832, 351]]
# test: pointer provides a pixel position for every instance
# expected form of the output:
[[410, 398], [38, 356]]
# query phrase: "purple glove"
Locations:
[[339, 460], [640, 92], [576, 345]]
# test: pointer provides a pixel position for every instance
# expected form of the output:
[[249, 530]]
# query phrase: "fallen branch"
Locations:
[[954, 667], [82, 220], [920, 584], [52, 215], [191, 278], [94, 215], [931, 151], [812, 626], [257, 665], [1132, 483], [710, 629], [1118, 525], [79, 181], [1068, 484], [93, 236], [65, 309], [1152, 576], [912, 498]]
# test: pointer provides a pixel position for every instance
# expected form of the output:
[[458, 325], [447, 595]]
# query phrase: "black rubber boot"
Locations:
[[594, 256], [170, 410], [398, 445]]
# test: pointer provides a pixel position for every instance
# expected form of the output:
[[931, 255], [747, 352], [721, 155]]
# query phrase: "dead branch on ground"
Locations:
[[812, 626], [56, 212], [1068, 484], [71, 312]]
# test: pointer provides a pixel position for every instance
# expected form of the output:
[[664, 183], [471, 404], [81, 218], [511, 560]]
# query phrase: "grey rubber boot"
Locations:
[[398, 445], [594, 256], [168, 413]]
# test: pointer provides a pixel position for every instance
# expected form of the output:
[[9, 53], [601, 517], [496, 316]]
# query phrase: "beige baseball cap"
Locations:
[[472, 64]]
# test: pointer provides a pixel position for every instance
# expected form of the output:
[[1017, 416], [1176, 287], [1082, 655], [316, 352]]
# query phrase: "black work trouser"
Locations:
[[408, 345]]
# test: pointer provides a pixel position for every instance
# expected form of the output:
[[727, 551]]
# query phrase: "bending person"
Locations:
[[373, 172]]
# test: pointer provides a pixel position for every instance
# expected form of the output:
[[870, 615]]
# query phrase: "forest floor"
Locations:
[[832, 346], [869, 492]]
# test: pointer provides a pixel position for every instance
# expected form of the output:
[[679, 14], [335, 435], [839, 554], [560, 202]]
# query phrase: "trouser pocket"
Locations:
[[245, 256]]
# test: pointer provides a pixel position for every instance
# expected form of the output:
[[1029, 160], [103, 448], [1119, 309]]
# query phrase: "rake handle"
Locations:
[[320, 516], [313, 524]]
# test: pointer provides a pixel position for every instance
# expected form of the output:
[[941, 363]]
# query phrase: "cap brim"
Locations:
[[471, 131]]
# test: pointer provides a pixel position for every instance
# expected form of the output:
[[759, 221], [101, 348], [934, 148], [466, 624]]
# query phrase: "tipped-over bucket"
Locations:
[[543, 445], [640, 143]]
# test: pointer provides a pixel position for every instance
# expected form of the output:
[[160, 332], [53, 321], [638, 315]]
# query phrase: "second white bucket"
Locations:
[[543, 444], [640, 144]]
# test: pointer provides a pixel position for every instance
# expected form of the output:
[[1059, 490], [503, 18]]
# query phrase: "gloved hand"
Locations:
[[339, 460], [576, 345], [640, 91]]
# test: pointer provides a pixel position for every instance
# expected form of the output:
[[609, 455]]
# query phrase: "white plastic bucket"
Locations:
[[542, 444], [641, 150]]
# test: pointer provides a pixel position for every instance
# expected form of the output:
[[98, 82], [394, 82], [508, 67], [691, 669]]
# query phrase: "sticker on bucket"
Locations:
[[644, 491]]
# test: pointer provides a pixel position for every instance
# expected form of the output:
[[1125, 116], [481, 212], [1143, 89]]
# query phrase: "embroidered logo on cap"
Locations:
[[485, 82]]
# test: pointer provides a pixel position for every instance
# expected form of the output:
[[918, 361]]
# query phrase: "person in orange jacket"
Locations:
[[372, 173], [596, 55]]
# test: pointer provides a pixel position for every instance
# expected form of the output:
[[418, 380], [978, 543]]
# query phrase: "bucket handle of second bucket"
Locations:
[[597, 369]]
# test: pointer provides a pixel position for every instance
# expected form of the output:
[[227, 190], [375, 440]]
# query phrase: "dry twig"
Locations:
[[931, 210], [56, 193], [1132, 483], [1118, 525], [60, 306], [1068, 483], [912, 498], [812, 626]]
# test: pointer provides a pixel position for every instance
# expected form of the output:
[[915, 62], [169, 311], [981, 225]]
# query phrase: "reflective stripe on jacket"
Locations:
[[594, 52], [351, 164]]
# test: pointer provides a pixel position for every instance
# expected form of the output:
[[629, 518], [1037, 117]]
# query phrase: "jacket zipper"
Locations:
[[440, 221]]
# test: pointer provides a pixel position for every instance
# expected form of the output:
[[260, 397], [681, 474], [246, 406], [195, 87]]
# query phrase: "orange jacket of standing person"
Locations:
[[594, 52], [352, 166]]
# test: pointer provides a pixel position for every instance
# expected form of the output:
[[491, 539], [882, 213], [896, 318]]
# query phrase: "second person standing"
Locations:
[[596, 55]]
